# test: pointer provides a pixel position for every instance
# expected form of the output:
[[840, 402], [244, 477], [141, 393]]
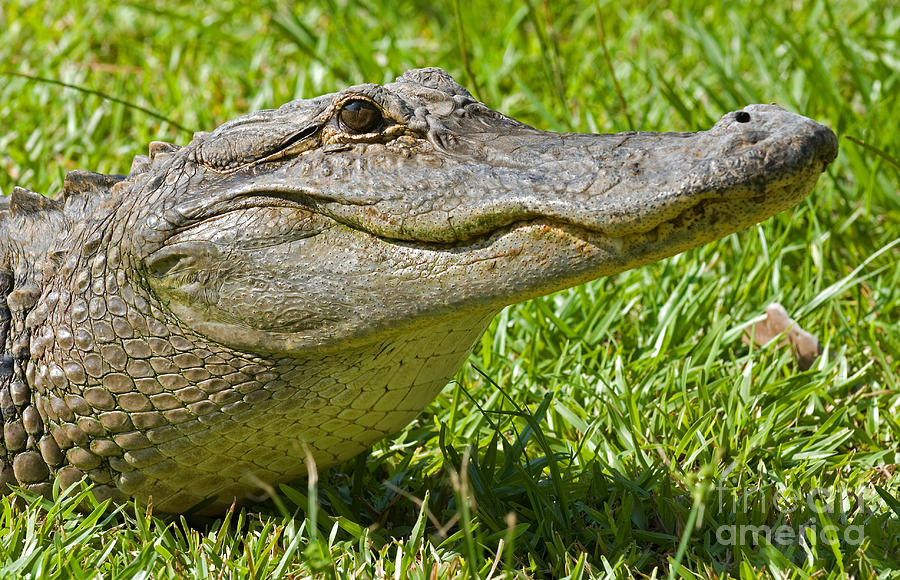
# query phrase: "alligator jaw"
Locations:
[[471, 214], [617, 184]]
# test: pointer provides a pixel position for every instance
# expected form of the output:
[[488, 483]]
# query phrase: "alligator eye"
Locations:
[[360, 116]]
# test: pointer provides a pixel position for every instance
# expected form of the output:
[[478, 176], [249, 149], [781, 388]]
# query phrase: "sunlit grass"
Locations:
[[620, 428]]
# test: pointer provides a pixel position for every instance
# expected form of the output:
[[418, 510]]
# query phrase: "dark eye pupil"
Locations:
[[360, 116]]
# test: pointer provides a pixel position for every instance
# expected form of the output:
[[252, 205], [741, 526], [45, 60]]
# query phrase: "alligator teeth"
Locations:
[[664, 230]]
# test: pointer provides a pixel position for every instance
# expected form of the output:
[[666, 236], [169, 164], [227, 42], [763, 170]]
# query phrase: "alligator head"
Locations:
[[303, 281]]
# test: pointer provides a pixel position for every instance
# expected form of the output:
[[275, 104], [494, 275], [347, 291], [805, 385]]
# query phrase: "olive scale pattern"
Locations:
[[145, 409]]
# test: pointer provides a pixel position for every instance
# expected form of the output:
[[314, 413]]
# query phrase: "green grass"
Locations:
[[617, 429]]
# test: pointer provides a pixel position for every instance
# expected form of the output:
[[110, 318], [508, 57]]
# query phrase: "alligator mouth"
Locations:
[[702, 213], [702, 217], [480, 232], [485, 239], [749, 186]]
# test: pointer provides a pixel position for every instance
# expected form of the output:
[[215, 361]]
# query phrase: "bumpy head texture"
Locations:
[[308, 278]]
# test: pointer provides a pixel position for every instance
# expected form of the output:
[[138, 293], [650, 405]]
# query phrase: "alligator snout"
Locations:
[[805, 139]]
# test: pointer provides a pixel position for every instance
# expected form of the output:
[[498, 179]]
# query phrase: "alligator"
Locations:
[[301, 282]]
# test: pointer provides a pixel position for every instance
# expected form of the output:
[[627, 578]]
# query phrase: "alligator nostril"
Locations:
[[742, 117]]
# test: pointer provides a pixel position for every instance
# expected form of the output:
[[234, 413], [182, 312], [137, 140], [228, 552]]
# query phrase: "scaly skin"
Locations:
[[310, 277]]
